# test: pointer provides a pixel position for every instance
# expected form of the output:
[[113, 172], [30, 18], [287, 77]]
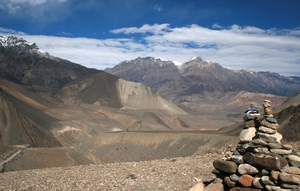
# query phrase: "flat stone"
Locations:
[[266, 181], [271, 120], [197, 187], [270, 138], [274, 175], [290, 186], [246, 180], [247, 169], [259, 142], [275, 146], [250, 123], [289, 178], [294, 160], [266, 130], [275, 188], [291, 170], [215, 187], [225, 166], [287, 146], [234, 177], [229, 182], [269, 161], [256, 183], [274, 126], [261, 149], [237, 159], [246, 135], [281, 151]]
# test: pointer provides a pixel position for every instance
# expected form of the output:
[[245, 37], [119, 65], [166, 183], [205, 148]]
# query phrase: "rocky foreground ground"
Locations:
[[165, 174]]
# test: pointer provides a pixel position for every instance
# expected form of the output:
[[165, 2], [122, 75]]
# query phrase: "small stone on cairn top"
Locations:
[[263, 161]]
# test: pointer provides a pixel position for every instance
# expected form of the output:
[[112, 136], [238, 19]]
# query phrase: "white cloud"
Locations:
[[233, 47]]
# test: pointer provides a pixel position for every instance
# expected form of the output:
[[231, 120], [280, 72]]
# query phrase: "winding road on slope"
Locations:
[[9, 158]]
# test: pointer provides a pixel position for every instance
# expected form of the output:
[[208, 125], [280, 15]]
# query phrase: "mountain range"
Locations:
[[153, 107]]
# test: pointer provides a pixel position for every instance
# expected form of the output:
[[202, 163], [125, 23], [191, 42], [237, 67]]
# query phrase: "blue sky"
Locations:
[[258, 35]]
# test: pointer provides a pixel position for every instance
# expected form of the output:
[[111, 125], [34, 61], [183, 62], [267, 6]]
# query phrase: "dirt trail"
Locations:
[[9, 158]]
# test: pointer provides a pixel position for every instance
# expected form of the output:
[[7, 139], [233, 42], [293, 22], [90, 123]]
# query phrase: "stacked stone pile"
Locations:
[[261, 161]]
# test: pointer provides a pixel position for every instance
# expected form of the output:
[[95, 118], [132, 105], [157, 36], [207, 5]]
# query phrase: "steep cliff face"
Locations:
[[23, 62]]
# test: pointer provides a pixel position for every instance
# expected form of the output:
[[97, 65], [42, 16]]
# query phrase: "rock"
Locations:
[[291, 170], [289, 178], [247, 169], [266, 130], [215, 187], [270, 125], [225, 166], [290, 186], [197, 187], [237, 159], [229, 182], [246, 135], [269, 161], [274, 175], [264, 172], [259, 142], [281, 151], [256, 183], [271, 120], [287, 146], [245, 180], [266, 181], [275, 146], [274, 188], [261, 149], [270, 138], [234, 177], [250, 123], [294, 160]]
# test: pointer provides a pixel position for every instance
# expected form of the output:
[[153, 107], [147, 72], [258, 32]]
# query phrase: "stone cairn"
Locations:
[[260, 161]]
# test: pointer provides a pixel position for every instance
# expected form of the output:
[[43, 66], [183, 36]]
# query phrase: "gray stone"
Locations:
[[237, 159], [281, 151], [225, 166], [291, 170], [289, 178], [289, 186], [274, 126], [246, 135], [261, 149], [275, 146], [259, 142], [256, 183], [270, 138], [266, 130], [264, 172], [247, 169], [271, 120], [266, 181], [274, 188], [229, 182], [269, 161], [234, 177], [294, 160]]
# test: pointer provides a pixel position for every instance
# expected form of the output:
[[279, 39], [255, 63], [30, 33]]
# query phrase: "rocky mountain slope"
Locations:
[[200, 85]]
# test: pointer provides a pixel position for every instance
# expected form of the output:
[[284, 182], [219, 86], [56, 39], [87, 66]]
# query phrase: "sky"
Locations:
[[255, 35]]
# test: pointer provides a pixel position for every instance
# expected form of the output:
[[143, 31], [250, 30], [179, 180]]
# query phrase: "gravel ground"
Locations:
[[165, 174]]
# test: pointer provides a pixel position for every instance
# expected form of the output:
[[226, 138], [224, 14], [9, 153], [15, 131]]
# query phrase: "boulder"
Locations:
[[225, 166], [246, 135], [289, 178], [269, 161], [294, 160], [247, 169], [291, 170], [270, 138]]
